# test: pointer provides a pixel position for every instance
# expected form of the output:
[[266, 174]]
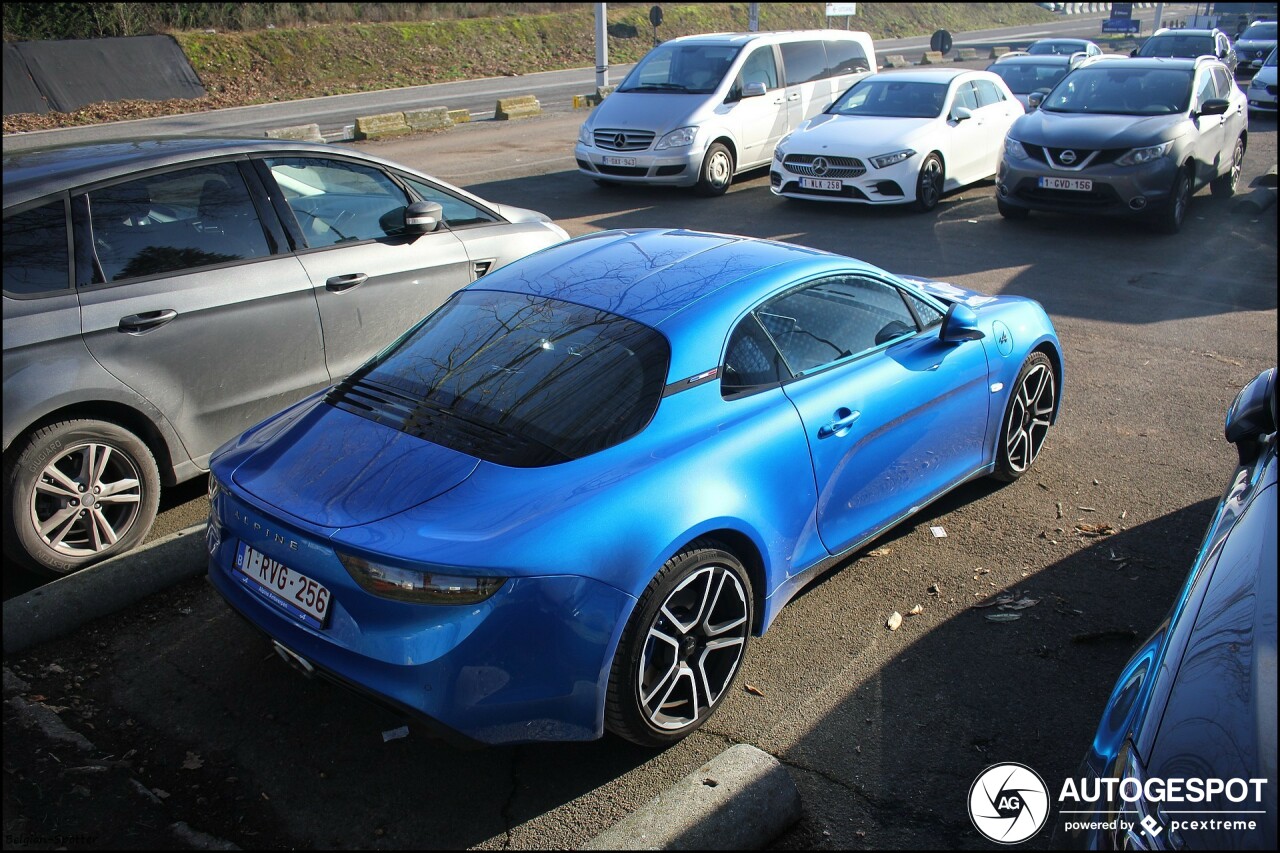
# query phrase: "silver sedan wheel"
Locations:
[[694, 648], [1029, 416], [86, 499]]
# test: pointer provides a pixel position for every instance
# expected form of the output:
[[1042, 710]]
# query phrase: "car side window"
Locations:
[[805, 61], [834, 318], [35, 250], [1205, 88], [1222, 81], [458, 213], [967, 96], [988, 93], [751, 361], [845, 57], [926, 313], [759, 67], [175, 221], [337, 201]]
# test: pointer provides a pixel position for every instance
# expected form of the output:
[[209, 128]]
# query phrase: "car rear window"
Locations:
[[515, 379], [1023, 78], [1178, 46], [1262, 31], [35, 250]]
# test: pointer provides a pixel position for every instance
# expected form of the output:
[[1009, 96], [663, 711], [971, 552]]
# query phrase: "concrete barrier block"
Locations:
[[381, 126], [431, 118], [302, 132], [742, 799], [583, 102], [603, 92], [965, 54], [997, 52], [930, 57], [895, 60], [459, 116], [523, 106]]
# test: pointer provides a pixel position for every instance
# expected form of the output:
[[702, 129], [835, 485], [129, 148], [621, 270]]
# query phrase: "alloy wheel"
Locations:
[[86, 499], [1029, 416]]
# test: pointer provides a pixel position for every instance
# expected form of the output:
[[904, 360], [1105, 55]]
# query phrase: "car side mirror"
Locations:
[[960, 324], [961, 114], [1252, 416], [754, 89], [1214, 107], [422, 217]]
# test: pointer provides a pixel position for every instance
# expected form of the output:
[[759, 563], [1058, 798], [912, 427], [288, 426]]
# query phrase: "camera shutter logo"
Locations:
[[1008, 803]]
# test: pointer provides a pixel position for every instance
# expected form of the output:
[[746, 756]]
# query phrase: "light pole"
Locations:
[[602, 45]]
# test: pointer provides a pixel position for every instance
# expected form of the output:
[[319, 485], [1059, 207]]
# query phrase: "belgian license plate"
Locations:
[[288, 589], [1078, 184], [619, 161], [821, 184]]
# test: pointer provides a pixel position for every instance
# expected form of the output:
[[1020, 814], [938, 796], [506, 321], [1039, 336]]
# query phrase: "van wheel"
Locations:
[[717, 171], [76, 493]]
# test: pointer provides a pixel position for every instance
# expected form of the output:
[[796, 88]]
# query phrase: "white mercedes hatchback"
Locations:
[[899, 137]]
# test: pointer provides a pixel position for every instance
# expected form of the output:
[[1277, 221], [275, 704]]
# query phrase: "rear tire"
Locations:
[[77, 493], [682, 648]]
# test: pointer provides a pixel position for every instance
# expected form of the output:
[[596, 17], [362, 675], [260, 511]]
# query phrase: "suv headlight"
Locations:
[[1013, 149], [584, 134], [880, 161], [1138, 156], [1255, 83], [416, 586], [677, 139]]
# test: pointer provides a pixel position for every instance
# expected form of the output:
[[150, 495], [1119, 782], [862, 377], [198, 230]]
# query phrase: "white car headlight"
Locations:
[[584, 134], [680, 138], [1013, 149], [880, 161], [1150, 153]]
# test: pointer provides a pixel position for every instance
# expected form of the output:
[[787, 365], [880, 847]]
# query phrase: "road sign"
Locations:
[[834, 9]]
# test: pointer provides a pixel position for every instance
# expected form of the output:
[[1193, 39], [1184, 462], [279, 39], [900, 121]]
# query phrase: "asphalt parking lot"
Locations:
[[883, 731]]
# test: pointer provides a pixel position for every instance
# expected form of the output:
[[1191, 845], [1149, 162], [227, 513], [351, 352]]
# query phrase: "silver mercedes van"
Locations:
[[700, 109]]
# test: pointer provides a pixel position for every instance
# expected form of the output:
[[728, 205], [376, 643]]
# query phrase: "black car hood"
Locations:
[[1091, 130]]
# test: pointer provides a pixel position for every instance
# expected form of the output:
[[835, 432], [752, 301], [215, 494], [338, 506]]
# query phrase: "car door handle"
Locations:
[[840, 426], [795, 96], [136, 324], [777, 100], [342, 283]]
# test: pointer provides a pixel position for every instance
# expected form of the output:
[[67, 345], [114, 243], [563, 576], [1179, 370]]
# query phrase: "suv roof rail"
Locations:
[[1011, 54]]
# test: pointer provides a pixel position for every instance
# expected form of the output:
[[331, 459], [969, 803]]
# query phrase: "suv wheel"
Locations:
[[1011, 211], [1171, 215], [1224, 186], [76, 493]]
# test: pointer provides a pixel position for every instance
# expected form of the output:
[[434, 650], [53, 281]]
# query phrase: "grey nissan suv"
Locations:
[[1121, 136], [162, 295]]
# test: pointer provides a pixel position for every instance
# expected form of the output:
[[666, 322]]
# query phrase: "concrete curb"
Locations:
[[1255, 202], [741, 799], [58, 608]]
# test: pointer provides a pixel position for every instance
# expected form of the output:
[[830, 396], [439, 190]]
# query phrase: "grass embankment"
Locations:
[[242, 68]]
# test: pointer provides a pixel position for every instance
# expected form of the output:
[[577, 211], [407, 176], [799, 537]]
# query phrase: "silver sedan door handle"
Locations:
[[136, 324], [342, 283]]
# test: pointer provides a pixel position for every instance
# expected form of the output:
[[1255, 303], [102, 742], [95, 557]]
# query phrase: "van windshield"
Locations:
[[681, 68]]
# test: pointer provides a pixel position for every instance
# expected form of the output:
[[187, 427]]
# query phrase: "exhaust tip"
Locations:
[[294, 659]]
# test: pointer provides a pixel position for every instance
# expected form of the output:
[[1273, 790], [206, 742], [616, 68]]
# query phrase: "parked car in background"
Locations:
[[698, 110], [162, 295], [1024, 74], [1063, 47], [566, 500], [1255, 45], [1188, 44], [1198, 699], [899, 137], [1125, 137], [1262, 88]]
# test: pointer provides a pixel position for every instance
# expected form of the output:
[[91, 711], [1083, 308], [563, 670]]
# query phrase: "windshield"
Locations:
[[1064, 48], [519, 380], [885, 96], [1122, 91], [1262, 31], [1178, 45], [1025, 78], [1271, 60], [682, 68]]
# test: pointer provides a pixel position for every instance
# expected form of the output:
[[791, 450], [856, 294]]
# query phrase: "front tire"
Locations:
[[77, 493], [1011, 211], [717, 171], [1027, 418], [682, 647], [929, 183], [1171, 216], [1224, 186]]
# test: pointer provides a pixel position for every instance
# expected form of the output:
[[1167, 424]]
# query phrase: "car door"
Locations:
[[893, 416], [189, 300], [760, 121], [1212, 138], [1236, 120], [997, 110], [371, 282], [805, 68]]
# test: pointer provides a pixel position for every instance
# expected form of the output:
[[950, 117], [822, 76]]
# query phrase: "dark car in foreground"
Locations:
[[566, 500], [1198, 700], [162, 295], [1127, 137]]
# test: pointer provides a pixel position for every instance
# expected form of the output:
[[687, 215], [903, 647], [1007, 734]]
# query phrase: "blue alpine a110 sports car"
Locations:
[[564, 500]]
